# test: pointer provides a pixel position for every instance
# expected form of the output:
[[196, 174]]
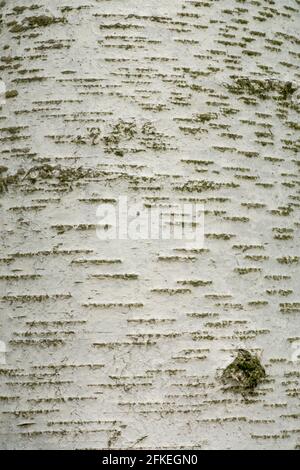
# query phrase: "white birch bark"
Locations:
[[120, 344]]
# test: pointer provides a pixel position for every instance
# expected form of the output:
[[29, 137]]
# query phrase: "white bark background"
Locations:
[[97, 360]]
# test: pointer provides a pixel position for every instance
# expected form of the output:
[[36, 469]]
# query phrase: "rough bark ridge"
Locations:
[[122, 344]]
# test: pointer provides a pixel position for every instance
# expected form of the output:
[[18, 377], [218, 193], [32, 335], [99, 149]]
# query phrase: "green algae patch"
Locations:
[[11, 94], [262, 89], [33, 22], [40, 21], [245, 373]]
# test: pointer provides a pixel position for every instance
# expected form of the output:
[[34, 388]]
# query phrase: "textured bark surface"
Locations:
[[121, 344]]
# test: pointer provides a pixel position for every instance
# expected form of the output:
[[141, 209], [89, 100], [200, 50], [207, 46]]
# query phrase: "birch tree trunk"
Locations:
[[109, 343]]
